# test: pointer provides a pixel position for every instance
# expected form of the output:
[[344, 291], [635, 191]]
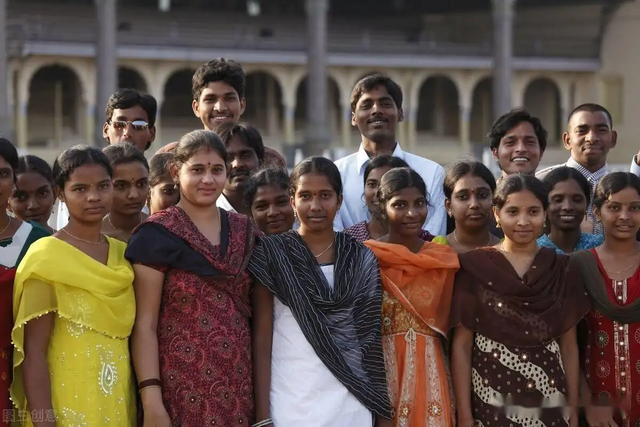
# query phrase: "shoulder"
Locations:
[[37, 231], [273, 157], [542, 173], [167, 148], [421, 164], [591, 240], [344, 162], [441, 240]]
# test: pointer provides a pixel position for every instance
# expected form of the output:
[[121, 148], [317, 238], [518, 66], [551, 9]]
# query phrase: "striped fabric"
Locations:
[[343, 324]]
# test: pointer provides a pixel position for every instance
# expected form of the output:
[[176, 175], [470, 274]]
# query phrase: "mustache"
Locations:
[[239, 172]]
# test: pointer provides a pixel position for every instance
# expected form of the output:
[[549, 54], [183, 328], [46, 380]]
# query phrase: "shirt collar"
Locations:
[[596, 176], [223, 203], [362, 158]]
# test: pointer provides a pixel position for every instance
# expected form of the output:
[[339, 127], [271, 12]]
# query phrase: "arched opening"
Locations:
[[131, 78], [333, 105], [438, 109], [177, 114], [56, 109], [264, 106], [542, 100], [481, 118]]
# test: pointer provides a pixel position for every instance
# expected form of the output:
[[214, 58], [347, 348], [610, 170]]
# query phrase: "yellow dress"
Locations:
[[92, 381]]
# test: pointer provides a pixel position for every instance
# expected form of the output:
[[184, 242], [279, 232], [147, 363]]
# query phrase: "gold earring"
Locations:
[[497, 224]]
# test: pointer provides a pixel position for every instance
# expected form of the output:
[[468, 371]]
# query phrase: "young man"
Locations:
[[218, 89], [130, 117], [376, 109], [589, 138], [246, 154]]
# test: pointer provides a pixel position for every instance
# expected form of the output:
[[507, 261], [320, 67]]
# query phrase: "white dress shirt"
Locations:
[[634, 169], [354, 209], [223, 203]]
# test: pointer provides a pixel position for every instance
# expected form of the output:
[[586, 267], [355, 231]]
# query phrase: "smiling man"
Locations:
[[376, 109]]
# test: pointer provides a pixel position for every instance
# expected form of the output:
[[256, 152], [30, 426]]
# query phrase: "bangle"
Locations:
[[149, 386], [263, 423], [151, 381]]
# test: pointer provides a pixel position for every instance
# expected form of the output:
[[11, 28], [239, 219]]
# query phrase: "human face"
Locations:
[[163, 195], [33, 198], [316, 202], [620, 215], [6, 182], [218, 103], [470, 203], [519, 150], [243, 161], [521, 218], [589, 138], [201, 178], [271, 210], [567, 205], [406, 212], [131, 188], [140, 137], [88, 193], [377, 115], [371, 188]]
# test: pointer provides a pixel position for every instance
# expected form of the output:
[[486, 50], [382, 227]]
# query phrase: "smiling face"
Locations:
[[519, 150], [33, 198], [589, 138], [620, 214], [522, 217], [316, 202], [201, 178], [471, 202], [567, 205], [376, 115], [271, 210], [88, 193], [406, 212], [218, 103], [131, 188]]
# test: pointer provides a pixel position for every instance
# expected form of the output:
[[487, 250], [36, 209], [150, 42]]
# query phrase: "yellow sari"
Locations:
[[92, 382]]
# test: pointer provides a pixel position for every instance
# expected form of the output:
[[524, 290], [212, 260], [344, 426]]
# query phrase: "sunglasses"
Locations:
[[136, 124]]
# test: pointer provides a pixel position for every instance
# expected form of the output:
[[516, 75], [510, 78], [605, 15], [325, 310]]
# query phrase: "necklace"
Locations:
[[6, 226], [323, 252], [83, 240], [465, 246], [615, 273], [118, 230]]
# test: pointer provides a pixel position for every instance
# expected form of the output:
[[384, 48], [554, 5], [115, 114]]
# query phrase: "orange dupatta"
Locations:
[[422, 282]]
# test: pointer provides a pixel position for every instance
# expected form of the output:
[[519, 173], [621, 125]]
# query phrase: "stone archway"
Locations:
[[542, 99], [131, 78], [334, 113], [177, 114], [438, 111], [481, 118], [264, 108]]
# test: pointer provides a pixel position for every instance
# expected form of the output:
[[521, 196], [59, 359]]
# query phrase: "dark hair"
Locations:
[[35, 164], [159, 167], [248, 134], [370, 82], [195, 140], [565, 173], [129, 98], [591, 108], [269, 176], [122, 153], [520, 182], [319, 166], [463, 168], [384, 160], [513, 118], [216, 70], [614, 183], [73, 158], [398, 179], [9, 154]]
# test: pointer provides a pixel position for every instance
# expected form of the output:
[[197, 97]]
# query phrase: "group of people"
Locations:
[[210, 286]]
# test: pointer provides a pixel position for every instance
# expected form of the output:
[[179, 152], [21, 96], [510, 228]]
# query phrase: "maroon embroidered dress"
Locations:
[[204, 338], [612, 356]]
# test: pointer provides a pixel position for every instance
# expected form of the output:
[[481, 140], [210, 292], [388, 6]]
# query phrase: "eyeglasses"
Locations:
[[136, 124]]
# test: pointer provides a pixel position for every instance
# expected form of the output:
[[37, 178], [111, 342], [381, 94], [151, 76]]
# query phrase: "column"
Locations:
[[345, 125], [317, 133], [503, 11], [465, 117], [272, 107], [90, 127], [289, 123], [6, 127], [106, 61], [412, 131]]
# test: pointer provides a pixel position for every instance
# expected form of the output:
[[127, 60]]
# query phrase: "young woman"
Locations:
[[323, 326], [468, 188], [33, 198], [191, 342], [569, 197], [74, 309], [376, 227], [130, 190], [515, 307], [417, 280], [267, 196], [16, 237], [611, 356], [162, 190]]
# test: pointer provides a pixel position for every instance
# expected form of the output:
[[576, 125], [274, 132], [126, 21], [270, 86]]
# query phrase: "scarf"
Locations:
[[491, 299], [422, 282], [587, 265], [79, 289], [343, 324]]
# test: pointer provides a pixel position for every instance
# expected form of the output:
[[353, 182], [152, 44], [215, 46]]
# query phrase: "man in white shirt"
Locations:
[[589, 138], [376, 109], [130, 117]]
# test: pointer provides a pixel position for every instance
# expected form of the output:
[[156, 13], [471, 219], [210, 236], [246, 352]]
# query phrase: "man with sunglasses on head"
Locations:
[[130, 117]]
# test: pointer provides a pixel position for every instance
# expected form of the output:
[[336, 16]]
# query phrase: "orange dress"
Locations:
[[417, 291]]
